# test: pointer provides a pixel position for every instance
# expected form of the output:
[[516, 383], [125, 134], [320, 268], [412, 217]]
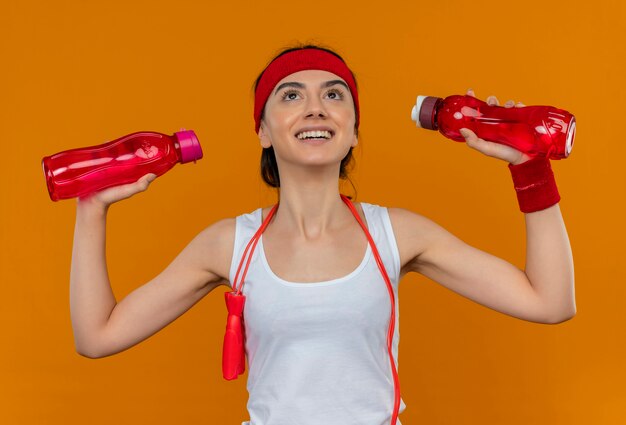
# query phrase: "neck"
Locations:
[[310, 203]]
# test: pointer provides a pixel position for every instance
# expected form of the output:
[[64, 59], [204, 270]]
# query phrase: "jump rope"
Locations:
[[233, 354]]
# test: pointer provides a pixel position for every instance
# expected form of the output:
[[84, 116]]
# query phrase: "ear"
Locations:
[[355, 139], [264, 138]]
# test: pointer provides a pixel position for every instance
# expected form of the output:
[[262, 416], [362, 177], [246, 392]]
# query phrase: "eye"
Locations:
[[335, 94], [290, 95]]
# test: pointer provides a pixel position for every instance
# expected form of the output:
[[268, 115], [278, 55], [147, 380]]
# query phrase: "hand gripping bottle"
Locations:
[[78, 172], [542, 131]]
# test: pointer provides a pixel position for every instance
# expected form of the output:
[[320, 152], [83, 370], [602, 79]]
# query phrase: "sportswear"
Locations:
[[317, 352]]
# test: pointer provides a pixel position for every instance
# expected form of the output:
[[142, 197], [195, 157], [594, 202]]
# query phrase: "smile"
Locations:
[[314, 135]]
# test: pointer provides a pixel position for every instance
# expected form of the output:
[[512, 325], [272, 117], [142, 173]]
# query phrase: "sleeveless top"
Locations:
[[317, 352]]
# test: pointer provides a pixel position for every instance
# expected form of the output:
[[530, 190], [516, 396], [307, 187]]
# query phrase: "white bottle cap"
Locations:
[[569, 141], [415, 112]]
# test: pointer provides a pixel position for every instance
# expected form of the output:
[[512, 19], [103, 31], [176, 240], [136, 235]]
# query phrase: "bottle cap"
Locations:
[[423, 112], [190, 149], [571, 134]]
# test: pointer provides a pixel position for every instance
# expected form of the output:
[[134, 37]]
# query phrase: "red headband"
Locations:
[[300, 60]]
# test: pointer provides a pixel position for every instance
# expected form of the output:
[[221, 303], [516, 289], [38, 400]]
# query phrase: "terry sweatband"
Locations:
[[534, 184], [300, 60]]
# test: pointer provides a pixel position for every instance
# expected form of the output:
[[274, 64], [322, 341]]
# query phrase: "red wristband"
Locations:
[[534, 184]]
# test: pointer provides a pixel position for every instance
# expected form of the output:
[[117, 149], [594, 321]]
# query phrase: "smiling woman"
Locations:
[[269, 167], [314, 279], [306, 115], [293, 114]]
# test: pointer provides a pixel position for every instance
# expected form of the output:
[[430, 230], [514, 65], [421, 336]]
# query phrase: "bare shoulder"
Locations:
[[414, 234]]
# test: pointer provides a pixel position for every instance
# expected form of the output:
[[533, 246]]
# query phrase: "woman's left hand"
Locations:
[[493, 149]]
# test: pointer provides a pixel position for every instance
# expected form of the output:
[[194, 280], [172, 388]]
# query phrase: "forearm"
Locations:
[[91, 296], [549, 263]]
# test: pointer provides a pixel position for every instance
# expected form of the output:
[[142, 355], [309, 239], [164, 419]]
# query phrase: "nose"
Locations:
[[315, 108]]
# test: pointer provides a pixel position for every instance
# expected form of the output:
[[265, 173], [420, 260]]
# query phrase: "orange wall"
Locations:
[[78, 73]]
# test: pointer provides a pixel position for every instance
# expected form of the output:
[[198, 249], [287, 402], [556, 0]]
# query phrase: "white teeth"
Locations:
[[314, 135]]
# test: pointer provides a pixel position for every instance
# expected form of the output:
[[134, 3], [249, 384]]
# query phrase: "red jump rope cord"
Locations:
[[392, 319], [253, 242]]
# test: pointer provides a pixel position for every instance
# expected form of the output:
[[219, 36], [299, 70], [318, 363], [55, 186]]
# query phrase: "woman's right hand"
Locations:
[[106, 197]]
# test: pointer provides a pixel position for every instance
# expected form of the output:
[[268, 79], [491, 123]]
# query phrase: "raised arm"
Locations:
[[542, 293], [101, 325]]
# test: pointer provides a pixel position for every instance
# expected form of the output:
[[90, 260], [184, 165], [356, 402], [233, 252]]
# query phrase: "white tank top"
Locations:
[[317, 352]]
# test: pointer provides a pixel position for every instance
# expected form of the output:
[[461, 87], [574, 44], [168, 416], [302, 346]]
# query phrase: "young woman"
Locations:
[[321, 318]]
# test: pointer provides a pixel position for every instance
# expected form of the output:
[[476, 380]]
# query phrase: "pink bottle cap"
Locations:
[[190, 149]]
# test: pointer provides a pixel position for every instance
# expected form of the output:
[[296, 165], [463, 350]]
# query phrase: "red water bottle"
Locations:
[[542, 131], [78, 172]]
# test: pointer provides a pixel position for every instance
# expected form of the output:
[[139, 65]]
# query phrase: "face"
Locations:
[[309, 118]]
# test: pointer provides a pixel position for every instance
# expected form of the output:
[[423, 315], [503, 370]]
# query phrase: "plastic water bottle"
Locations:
[[78, 172], [543, 131]]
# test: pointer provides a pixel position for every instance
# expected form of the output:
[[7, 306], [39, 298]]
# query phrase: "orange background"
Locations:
[[78, 73]]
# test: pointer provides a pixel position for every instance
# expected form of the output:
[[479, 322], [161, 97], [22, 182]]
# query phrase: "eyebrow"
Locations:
[[301, 86]]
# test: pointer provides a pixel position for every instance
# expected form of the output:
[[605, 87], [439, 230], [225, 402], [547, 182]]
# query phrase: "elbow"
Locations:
[[92, 343], [556, 319], [89, 349], [88, 352], [559, 320], [96, 348]]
